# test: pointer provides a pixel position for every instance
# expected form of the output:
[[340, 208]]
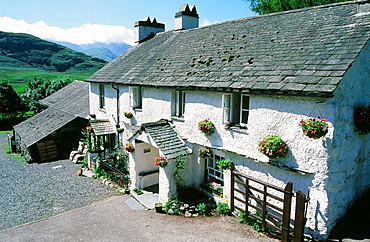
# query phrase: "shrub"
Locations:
[[223, 209], [224, 164]]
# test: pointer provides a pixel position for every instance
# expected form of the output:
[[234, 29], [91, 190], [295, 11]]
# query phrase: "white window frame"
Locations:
[[211, 167], [136, 97], [178, 106], [233, 110], [101, 96], [243, 110]]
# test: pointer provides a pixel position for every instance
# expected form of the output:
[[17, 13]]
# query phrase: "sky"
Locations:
[[90, 21]]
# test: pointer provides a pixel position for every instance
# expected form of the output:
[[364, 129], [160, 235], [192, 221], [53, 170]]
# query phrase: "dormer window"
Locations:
[[101, 96], [136, 97], [235, 109], [178, 103]]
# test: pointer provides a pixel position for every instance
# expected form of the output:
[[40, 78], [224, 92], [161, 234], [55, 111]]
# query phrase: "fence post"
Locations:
[[286, 212], [232, 186], [299, 220]]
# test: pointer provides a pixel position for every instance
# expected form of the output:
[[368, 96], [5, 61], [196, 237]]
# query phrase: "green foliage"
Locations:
[[174, 205], [273, 146], [273, 6], [10, 102], [255, 223], [180, 166], [27, 51], [38, 89], [223, 208], [223, 165], [118, 159]]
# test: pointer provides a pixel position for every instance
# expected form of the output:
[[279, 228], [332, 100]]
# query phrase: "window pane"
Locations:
[[245, 102], [244, 118]]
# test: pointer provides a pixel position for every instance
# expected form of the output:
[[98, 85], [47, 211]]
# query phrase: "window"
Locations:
[[235, 109], [213, 174], [178, 103], [135, 97], [101, 96]]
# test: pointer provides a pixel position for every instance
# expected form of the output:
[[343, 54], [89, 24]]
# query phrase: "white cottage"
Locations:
[[252, 78]]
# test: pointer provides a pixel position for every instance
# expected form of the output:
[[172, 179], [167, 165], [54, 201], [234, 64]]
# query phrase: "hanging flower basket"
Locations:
[[128, 114], [129, 147], [314, 127], [120, 130], [160, 161], [204, 152], [207, 127], [273, 146], [361, 118], [89, 129]]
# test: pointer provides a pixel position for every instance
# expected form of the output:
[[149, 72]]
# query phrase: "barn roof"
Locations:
[[65, 105], [303, 51]]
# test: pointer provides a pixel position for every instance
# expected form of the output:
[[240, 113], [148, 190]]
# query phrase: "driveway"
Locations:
[[50, 202]]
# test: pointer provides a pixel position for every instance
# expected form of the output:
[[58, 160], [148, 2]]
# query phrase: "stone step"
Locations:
[[134, 204], [147, 199]]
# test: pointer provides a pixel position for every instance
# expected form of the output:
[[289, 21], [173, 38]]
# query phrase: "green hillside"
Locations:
[[24, 51]]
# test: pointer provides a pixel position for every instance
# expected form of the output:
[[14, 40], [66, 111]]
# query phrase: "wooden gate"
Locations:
[[271, 203]]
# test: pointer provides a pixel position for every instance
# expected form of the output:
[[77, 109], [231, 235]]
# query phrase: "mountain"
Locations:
[[99, 50], [19, 50]]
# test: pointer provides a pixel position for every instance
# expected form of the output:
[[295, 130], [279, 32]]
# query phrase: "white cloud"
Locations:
[[84, 34], [207, 22]]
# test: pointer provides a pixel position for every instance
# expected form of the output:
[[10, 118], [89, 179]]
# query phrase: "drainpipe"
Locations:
[[117, 108]]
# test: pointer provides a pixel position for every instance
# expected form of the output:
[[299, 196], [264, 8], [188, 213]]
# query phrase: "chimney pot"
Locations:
[[146, 29], [186, 18]]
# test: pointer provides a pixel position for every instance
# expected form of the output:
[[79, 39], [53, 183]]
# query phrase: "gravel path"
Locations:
[[30, 192]]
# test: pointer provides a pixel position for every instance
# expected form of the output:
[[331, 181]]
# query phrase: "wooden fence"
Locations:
[[272, 204]]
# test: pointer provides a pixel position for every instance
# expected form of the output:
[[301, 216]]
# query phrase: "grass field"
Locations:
[[18, 78]]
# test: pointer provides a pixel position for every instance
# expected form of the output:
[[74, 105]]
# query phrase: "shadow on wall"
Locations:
[[356, 223]]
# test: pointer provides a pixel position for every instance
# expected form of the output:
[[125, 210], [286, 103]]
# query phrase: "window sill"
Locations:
[[137, 109], [237, 129], [180, 119]]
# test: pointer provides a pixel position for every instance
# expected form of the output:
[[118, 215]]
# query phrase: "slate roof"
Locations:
[[102, 127], [303, 52], [65, 105], [41, 125], [166, 138], [73, 98]]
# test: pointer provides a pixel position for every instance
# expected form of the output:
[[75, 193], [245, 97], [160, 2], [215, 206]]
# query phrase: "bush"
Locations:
[[223, 209]]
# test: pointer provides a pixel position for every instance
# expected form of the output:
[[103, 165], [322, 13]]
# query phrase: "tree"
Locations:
[[10, 102], [38, 89], [273, 6]]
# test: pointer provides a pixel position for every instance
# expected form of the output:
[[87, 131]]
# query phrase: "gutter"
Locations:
[[117, 107]]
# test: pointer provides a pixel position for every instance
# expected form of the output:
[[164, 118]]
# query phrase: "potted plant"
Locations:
[[314, 127], [224, 164], [158, 208], [120, 130], [361, 118], [204, 152], [128, 114], [273, 146], [129, 147], [160, 161], [207, 127]]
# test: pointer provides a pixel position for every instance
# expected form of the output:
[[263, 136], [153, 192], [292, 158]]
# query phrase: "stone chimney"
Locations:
[[146, 29], [186, 18]]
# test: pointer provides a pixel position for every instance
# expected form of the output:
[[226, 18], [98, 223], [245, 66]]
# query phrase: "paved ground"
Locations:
[[113, 220], [67, 207]]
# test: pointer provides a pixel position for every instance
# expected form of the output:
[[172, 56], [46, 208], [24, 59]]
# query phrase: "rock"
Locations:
[[188, 214], [170, 211], [195, 214]]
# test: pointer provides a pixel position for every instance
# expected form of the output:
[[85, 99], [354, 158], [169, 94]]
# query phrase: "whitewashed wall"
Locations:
[[331, 164]]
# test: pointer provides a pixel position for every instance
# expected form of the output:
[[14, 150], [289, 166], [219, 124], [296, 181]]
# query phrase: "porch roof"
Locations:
[[166, 139], [102, 127]]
